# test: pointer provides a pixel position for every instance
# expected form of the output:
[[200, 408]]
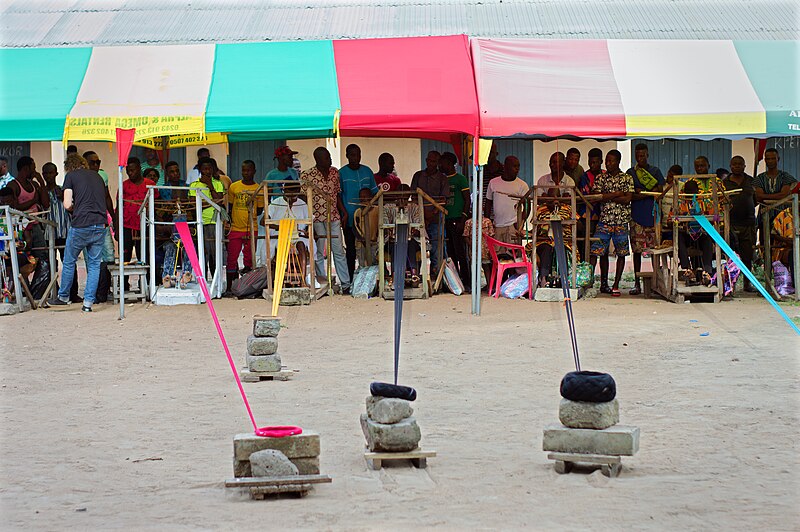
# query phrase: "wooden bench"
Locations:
[[142, 270]]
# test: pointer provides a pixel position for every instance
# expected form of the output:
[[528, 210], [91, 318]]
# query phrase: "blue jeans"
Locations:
[[91, 241], [433, 230]]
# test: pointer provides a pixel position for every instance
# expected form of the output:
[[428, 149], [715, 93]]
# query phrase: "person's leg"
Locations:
[[73, 247], [461, 253], [637, 243], [707, 248], [235, 245], [94, 256], [747, 241], [319, 246], [683, 250], [621, 241], [127, 252], [302, 255], [350, 248], [73, 291], [433, 234], [210, 236], [413, 254], [545, 253], [339, 257], [169, 268], [247, 252], [599, 249]]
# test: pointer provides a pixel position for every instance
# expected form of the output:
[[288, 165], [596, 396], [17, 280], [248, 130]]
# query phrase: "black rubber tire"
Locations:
[[588, 386], [384, 389]]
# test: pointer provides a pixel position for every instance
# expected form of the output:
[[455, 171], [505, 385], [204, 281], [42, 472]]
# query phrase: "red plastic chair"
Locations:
[[519, 260]]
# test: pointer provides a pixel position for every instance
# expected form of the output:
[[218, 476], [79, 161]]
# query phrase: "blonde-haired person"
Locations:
[[86, 197]]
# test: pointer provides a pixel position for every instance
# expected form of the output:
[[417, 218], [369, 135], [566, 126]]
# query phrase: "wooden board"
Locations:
[[260, 482], [262, 487], [418, 457], [408, 293], [255, 376]]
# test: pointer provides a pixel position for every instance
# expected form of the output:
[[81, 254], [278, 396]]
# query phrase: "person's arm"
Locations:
[[44, 197], [782, 193], [207, 181], [109, 204], [342, 210], [68, 199], [467, 203]]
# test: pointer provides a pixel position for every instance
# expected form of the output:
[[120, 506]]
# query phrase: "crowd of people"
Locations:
[[620, 219]]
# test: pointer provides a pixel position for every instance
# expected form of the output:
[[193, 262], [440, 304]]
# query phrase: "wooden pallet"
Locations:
[[257, 376], [418, 457], [262, 487], [610, 465]]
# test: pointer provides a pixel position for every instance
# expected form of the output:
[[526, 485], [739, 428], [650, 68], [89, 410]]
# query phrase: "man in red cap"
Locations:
[[283, 172]]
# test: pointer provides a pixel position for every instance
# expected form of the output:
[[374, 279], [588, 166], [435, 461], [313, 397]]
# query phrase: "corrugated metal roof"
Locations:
[[25, 23]]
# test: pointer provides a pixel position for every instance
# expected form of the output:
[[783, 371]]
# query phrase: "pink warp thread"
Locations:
[[188, 244]]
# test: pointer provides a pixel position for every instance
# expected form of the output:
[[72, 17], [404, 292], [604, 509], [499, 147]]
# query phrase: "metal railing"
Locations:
[[14, 217], [147, 243]]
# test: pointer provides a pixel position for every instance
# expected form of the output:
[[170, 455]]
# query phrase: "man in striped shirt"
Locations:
[[60, 216]]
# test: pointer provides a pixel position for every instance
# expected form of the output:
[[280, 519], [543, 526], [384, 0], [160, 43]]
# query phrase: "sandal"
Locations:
[[166, 282], [605, 289], [615, 292], [186, 278], [635, 291]]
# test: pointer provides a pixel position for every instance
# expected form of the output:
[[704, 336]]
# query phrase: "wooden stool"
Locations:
[[130, 269]]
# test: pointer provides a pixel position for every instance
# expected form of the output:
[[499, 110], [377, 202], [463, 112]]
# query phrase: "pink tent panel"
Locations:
[[406, 87], [547, 88]]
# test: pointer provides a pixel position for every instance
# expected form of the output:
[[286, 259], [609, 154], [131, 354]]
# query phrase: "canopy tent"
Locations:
[[627, 88], [34, 106], [274, 90], [419, 87]]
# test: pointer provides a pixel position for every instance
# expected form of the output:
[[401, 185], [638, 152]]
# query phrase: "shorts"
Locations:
[[642, 237], [607, 233]]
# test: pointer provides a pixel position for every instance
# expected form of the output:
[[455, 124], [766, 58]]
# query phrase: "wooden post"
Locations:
[[381, 253], [312, 244], [423, 248], [268, 243], [573, 205]]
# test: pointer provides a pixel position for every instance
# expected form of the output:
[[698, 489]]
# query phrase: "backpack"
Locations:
[[251, 284]]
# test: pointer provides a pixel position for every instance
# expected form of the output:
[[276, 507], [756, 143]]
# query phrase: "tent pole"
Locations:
[[151, 214], [480, 242], [121, 242], [12, 246], [474, 237]]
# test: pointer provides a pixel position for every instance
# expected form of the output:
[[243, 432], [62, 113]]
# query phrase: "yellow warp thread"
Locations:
[[285, 230]]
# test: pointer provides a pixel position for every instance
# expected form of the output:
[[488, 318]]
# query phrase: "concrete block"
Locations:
[[264, 326], [584, 415], [261, 363], [398, 437], [271, 463], [191, 295], [619, 440], [556, 294], [291, 297], [261, 346], [8, 309], [388, 410], [305, 445]]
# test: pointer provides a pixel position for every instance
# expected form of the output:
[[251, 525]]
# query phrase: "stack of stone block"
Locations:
[[256, 456], [389, 425], [262, 345], [591, 429]]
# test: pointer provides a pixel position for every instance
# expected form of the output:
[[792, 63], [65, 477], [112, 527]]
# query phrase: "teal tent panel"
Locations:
[[273, 90], [773, 68], [39, 91]]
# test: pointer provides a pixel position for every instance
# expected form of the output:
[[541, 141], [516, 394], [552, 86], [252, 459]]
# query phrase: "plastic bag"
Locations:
[[583, 275], [783, 279], [365, 282], [41, 279], [515, 286], [451, 277], [730, 274]]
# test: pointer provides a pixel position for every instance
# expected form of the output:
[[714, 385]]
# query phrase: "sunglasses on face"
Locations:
[[94, 162]]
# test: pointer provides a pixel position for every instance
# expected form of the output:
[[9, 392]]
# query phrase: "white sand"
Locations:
[[718, 415]]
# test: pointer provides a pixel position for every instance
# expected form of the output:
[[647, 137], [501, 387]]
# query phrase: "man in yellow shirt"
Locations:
[[241, 197]]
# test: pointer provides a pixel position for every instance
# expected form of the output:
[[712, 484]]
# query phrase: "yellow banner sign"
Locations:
[[104, 128], [179, 141]]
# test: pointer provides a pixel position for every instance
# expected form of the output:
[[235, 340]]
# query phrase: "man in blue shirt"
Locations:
[[643, 232], [283, 172], [353, 178]]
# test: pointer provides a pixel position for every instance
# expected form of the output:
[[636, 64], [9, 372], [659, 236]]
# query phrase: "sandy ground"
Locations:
[[84, 397]]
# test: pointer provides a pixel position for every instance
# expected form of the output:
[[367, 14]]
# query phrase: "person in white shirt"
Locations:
[[290, 205], [560, 182], [194, 173], [502, 197]]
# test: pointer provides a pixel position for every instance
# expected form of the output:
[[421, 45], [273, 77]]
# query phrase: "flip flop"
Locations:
[[605, 289], [635, 291], [615, 292]]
